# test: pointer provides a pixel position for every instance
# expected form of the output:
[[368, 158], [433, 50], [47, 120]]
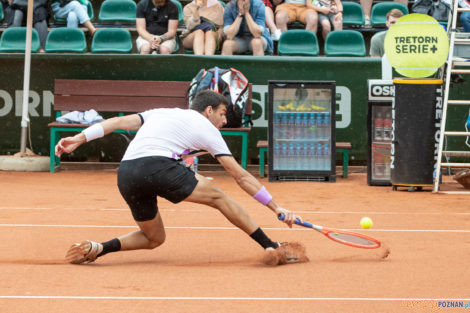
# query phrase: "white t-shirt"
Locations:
[[175, 133]]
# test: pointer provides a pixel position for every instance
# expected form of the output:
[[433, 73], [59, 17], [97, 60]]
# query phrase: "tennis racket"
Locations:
[[345, 237]]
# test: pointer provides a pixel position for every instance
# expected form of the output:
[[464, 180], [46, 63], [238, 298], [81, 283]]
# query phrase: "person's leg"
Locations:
[[17, 18], [325, 25], [167, 47], [366, 7], [282, 18], [229, 47], [465, 21], [210, 42], [310, 19], [198, 42], [270, 20], [41, 27], [337, 21], [72, 20], [143, 46], [257, 46], [206, 193]]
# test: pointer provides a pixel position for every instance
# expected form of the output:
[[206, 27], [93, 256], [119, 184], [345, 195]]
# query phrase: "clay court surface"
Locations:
[[207, 265]]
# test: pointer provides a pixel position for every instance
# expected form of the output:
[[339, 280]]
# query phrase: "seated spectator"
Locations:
[[157, 22], [244, 27], [7, 11], [40, 17], [367, 8], [330, 12], [377, 41], [439, 9], [75, 11], [465, 16], [297, 10], [270, 7], [204, 21]]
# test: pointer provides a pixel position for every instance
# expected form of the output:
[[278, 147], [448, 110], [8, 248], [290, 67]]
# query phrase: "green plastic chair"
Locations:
[[90, 12], [298, 42], [2, 16], [352, 14], [380, 10], [112, 40], [345, 43], [14, 40], [222, 3], [180, 11], [118, 11], [66, 39]]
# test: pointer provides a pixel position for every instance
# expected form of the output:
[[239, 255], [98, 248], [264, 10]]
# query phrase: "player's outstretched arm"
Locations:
[[69, 144], [254, 188]]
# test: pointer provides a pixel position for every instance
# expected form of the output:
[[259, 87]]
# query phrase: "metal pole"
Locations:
[[27, 68]]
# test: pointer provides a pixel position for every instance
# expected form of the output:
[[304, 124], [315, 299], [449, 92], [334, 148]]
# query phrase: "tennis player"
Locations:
[[151, 167]]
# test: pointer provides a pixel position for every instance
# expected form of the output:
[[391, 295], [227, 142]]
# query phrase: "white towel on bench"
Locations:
[[78, 117]]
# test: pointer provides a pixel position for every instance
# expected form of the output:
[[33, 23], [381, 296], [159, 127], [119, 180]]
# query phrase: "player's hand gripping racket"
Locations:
[[342, 236]]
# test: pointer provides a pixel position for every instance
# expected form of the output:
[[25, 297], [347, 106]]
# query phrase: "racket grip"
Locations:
[[281, 217]]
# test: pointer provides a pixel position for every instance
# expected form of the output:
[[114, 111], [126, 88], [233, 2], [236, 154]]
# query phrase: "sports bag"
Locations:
[[230, 83]]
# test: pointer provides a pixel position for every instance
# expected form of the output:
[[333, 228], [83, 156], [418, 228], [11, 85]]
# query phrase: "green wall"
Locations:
[[350, 74]]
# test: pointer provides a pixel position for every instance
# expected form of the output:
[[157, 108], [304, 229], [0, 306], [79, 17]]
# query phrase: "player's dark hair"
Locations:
[[206, 98]]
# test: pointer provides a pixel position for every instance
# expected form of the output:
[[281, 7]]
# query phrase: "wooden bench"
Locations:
[[124, 97], [341, 147]]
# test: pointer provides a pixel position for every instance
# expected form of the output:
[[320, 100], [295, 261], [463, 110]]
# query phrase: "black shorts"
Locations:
[[141, 180]]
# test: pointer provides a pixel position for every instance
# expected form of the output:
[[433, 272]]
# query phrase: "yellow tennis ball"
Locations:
[[416, 45], [366, 222]]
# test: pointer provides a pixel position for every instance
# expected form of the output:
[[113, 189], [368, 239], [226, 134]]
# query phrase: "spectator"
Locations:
[[40, 16], [297, 10], [244, 27], [7, 11], [377, 41], [157, 22], [330, 12], [204, 21], [367, 8], [270, 6], [439, 9], [75, 11], [465, 16]]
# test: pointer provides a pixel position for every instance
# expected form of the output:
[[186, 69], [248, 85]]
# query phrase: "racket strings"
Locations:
[[353, 239]]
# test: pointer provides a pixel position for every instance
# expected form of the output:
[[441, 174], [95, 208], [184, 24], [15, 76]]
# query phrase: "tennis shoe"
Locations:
[[285, 253], [85, 252]]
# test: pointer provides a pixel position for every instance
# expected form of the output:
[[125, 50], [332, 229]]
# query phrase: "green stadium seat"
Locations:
[[345, 43], [118, 11], [298, 42], [66, 39], [222, 3], [180, 11], [352, 14], [90, 12], [14, 40], [2, 15], [112, 40], [380, 10]]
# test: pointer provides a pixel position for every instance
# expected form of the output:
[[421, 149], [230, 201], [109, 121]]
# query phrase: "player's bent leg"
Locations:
[[206, 193], [151, 235]]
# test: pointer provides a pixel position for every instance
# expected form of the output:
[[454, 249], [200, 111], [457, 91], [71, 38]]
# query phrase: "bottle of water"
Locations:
[[304, 134], [290, 157], [321, 126], [298, 156], [313, 157], [313, 126], [304, 157], [282, 129], [276, 156], [321, 157], [298, 125], [326, 157], [326, 125], [283, 158]]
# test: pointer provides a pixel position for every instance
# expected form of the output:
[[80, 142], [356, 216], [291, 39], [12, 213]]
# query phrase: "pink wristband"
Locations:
[[263, 196]]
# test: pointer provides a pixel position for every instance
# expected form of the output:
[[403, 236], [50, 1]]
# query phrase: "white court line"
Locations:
[[295, 210], [231, 298], [235, 228]]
